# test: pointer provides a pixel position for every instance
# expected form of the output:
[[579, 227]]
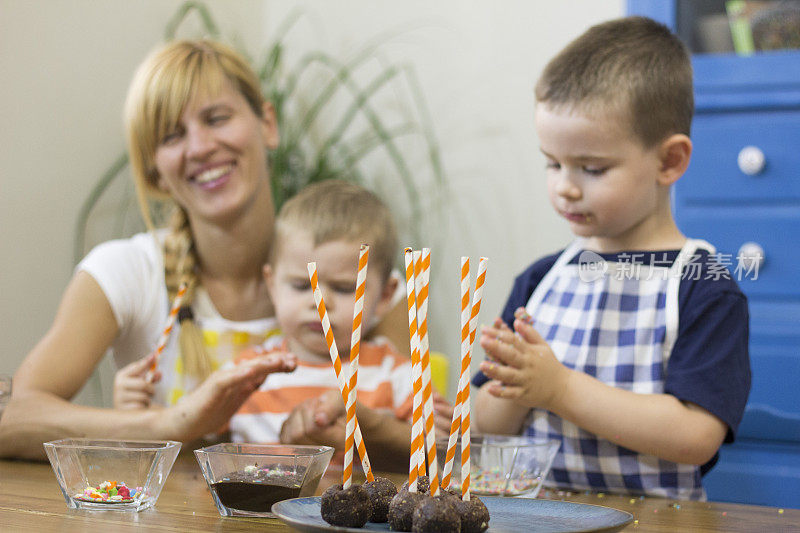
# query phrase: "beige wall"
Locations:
[[65, 66]]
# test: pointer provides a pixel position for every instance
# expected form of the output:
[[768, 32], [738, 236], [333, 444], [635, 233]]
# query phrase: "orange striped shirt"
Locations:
[[384, 382]]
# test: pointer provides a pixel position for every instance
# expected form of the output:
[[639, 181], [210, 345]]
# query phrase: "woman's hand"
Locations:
[[209, 407], [134, 384], [523, 366]]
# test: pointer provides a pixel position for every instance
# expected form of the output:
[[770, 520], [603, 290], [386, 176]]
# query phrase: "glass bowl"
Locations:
[[246, 479], [111, 475], [502, 465]]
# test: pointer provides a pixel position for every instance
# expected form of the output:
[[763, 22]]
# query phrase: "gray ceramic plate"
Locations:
[[506, 515]]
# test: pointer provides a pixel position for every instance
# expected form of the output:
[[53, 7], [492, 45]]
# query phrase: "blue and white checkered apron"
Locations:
[[617, 324]]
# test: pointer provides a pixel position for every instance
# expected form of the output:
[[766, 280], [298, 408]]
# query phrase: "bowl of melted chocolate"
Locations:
[[246, 479]]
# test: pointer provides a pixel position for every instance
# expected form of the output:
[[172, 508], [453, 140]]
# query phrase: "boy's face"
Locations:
[[293, 298], [601, 178]]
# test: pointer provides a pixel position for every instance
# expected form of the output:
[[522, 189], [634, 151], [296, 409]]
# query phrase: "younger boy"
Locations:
[[638, 366], [327, 223]]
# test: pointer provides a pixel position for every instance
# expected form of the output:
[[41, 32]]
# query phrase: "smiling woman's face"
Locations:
[[214, 160]]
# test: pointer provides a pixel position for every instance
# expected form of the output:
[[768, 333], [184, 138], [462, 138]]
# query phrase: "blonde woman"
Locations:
[[198, 134]]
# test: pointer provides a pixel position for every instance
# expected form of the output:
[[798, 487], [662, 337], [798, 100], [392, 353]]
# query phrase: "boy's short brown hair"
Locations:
[[634, 66], [338, 210]]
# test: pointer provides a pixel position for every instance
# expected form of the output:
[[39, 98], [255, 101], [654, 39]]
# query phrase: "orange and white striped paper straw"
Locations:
[[456, 422], [423, 264], [173, 313], [417, 380], [473, 326], [337, 365], [355, 345], [416, 417], [465, 375]]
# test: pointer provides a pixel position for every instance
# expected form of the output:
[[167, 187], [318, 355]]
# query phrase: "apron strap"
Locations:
[[671, 308]]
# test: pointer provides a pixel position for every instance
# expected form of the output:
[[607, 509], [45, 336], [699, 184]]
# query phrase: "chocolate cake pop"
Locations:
[[401, 509], [348, 507], [381, 491], [474, 515], [423, 485], [436, 515]]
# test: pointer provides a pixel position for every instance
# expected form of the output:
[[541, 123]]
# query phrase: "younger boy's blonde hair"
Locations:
[[333, 210], [633, 66]]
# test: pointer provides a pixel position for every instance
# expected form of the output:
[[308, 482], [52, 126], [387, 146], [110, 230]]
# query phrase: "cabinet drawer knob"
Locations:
[[751, 160], [751, 256]]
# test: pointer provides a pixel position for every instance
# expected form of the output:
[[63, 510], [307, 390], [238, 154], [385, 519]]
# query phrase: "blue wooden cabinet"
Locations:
[[743, 189]]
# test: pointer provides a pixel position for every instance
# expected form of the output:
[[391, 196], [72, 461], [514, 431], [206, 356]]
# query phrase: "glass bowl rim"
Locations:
[[112, 444], [515, 441], [217, 449]]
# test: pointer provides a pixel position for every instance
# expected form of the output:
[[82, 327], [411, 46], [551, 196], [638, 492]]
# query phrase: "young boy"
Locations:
[[327, 223], [629, 347]]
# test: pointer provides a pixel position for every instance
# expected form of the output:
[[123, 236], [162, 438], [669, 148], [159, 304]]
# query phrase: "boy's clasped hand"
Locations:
[[523, 367]]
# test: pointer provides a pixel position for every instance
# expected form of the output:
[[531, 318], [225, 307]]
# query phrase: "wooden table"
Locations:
[[30, 500]]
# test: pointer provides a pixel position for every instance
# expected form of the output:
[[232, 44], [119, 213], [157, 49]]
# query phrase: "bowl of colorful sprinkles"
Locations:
[[109, 492], [111, 475], [504, 465]]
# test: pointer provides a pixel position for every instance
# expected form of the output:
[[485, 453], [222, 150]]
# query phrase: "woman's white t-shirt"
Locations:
[[131, 274]]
